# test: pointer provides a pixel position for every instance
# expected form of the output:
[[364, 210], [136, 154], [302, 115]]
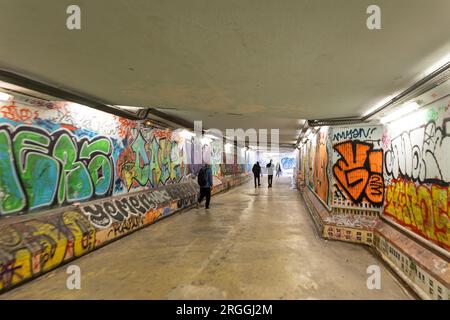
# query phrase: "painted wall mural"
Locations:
[[310, 151], [316, 163], [152, 161], [401, 169], [358, 167], [287, 163], [304, 163], [421, 208], [420, 154], [39, 169], [39, 245], [65, 153], [55, 154], [118, 174], [104, 214], [417, 172], [321, 165]]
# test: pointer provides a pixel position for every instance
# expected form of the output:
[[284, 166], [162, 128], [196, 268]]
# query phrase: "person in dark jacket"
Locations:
[[257, 173], [205, 189]]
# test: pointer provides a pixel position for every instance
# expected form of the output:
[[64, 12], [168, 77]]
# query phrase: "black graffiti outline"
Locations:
[[353, 133], [338, 192]]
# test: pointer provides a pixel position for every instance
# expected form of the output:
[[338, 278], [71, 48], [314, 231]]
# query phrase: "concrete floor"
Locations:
[[250, 245]]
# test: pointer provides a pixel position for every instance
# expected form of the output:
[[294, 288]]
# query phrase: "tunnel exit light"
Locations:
[[187, 134], [206, 140], [403, 111]]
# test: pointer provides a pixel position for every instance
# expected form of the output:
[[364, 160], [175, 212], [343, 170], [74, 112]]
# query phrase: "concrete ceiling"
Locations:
[[273, 62], [223, 120]]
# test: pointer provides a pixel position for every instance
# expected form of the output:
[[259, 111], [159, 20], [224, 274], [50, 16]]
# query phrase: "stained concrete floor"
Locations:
[[251, 245]]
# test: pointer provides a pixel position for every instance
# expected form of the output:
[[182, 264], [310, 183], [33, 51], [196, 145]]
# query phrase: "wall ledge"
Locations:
[[425, 272], [35, 243]]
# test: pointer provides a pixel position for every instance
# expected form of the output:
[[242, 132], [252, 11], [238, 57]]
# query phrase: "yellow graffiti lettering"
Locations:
[[423, 209]]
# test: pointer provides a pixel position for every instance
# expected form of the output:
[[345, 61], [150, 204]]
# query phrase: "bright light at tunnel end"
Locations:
[[234, 142], [5, 96]]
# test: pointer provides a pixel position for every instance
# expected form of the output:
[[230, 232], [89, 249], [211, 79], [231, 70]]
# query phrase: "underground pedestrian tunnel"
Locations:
[[109, 112]]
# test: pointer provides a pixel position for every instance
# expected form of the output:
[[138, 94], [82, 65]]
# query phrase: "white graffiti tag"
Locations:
[[420, 154]]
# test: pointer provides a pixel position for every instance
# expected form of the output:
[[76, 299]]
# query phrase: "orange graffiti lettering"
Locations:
[[320, 168], [359, 172], [16, 114], [125, 126]]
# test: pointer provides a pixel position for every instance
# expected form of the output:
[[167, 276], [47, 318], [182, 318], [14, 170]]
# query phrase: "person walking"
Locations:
[[257, 173], [205, 181], [278, 170], [270, 168]]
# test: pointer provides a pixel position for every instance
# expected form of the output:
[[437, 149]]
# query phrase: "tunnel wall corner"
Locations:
[[387, 186]]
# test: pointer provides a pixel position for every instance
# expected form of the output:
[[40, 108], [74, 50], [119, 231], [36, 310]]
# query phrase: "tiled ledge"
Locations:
[[425, 271]]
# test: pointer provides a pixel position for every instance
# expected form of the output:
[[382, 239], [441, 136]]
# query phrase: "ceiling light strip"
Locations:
[[63, 94], [438, 76]]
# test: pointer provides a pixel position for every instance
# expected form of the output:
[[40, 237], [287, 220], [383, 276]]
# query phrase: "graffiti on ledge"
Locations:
[[39, 245], [103, 214]]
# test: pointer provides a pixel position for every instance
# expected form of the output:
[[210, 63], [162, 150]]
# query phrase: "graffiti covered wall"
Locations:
[[56, 154], [357, 167], [316, 163], [117, 176], [401, 171], [33, 246], [321, 171], [65, 153], [288, 163], [417, 172]]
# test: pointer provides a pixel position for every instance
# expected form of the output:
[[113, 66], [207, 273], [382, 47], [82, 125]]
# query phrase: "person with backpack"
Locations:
[[270, 168], [205, 181], [257, 173]]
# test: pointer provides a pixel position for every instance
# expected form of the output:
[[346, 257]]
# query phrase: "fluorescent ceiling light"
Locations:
[[130, 108], [381, 103], [403, 111], [5, 97], [443, 61], [187, 134]]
